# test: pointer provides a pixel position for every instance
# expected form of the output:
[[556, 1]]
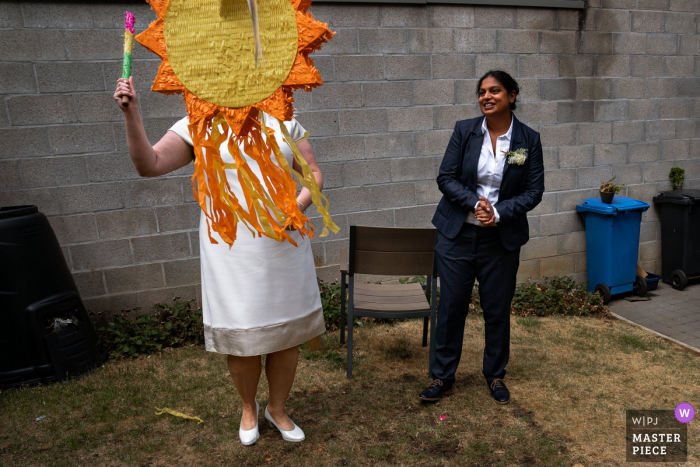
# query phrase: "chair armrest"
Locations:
[[343, 260]]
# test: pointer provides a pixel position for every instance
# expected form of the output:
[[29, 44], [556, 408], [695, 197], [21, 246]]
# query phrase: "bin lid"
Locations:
[[678, 197], [619, 204]]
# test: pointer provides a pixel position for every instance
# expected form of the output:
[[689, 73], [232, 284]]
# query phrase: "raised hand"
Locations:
[[126, 88]]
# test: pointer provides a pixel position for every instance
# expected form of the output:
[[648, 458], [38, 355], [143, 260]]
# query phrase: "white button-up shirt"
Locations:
[[490, 169]]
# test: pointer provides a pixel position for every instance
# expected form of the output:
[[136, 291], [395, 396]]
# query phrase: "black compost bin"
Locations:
[[679, 212], [36, 288]]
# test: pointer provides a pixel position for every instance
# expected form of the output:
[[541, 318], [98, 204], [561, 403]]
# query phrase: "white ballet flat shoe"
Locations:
[[249, 437], [293, 436]]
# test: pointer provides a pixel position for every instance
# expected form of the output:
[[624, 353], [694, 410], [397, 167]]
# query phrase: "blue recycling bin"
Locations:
[[612, 245]]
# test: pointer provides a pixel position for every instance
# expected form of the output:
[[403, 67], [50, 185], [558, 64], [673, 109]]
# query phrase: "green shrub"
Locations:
[[330, 300]]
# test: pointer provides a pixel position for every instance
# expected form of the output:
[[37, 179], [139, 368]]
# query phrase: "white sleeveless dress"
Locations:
[[260, 296]]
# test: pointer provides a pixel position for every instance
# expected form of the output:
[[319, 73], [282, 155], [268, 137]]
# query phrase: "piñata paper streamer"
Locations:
[[177, 414], [128, 44], [225, 91]]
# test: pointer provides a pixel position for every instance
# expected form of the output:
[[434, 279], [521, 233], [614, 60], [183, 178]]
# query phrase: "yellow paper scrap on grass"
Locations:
[[177, 414]]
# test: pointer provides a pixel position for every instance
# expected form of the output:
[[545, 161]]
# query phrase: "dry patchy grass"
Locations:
[[571, 380]]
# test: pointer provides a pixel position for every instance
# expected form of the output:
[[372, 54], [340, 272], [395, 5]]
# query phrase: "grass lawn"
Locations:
[[571, 380]]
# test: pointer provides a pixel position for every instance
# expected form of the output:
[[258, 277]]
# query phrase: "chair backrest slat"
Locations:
[[391, 251]]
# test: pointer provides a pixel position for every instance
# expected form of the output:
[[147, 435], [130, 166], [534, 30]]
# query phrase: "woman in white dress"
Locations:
[[260, 297]]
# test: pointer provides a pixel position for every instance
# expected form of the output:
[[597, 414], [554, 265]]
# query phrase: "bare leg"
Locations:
[[280, 368], [245, 373]]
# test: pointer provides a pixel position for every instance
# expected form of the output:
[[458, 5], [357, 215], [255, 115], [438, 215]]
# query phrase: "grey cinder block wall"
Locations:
[[613, 89]]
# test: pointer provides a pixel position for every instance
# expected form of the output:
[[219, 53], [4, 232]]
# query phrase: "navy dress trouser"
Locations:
[[475, 253]]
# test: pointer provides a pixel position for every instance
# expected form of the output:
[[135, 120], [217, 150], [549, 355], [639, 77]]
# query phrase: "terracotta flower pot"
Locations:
[[606, 197]]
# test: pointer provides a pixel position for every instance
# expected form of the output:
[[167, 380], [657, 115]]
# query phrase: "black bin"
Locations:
[[36, 288], [679, 212]]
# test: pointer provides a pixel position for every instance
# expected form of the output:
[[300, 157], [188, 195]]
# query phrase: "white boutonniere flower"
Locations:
[[517, 157]]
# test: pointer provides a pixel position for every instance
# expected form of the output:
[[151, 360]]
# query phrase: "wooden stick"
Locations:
[[125, 101]]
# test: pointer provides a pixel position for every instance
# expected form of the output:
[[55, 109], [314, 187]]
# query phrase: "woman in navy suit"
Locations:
[[492, 175]]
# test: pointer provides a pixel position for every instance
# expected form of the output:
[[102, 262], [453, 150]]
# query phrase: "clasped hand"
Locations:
[[484, 212]]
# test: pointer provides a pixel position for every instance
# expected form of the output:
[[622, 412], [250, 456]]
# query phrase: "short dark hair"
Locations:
[[506, 81]]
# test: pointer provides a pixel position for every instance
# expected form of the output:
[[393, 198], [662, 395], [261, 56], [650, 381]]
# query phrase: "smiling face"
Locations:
[[493, 98]]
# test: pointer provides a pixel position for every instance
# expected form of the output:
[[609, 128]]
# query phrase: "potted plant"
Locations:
[[608, 190], [677, 175]]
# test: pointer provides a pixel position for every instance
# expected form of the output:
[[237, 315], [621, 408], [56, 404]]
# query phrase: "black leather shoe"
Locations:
[[499, 391], [436, 390]]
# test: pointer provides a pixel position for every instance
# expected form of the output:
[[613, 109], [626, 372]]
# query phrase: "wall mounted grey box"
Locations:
[[579, 4]]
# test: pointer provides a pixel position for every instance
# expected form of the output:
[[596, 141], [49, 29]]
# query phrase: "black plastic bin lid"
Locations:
[[678, 197], [16, 211]]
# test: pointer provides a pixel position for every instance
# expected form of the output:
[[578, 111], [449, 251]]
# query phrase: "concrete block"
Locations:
[[53, 171], [557, 89], [134, 278], [419, 216], [339, 148], [344, 42], [516, 41], [660, 129], [644, 152], [558, 135], [645, 66], [528, 270], [537, 112], [661, 87], [594, 88], [410, 119], [69, 76], [533, 224], [46, 199], [568, 19], [100, 254], [576, 65], [649, 109], [657, 171], [365, 16], [148, 298], [571, 243], [623, 132], [561, 223], [24, 142], [392, 195], [329, 273], [679, 23], [610, 154], [29, 45], [536, 18], [690, 45], [569, 112], [447, 116], [90, 284], [557, 42], [678, 66], [332, 175], [153, 192], [685, 5], [649, 251], [539, 66], [465, 91], [110, 167], [183, 272], [362, 121], [688, 87], [410, 16], [628, 88], [383, 41], [427, 192], [592, 177], [558, 180], [495, 17], [320, 123], [76, 139], [112, 303], [10, 178], [407, 67], [687, 128], [619, 4], [326, 67], [41, 110], [592, 133], [367, 172], [653, 4], [675, 149], [126, 223], [451, 16], [59, 16], [72, 229], [676, 108], [433, 92], [337, 95], [413, 168], [612, 20], [161, 247], [10, 15], [17, 78], [575, 156], [429, 41], [157, 105], [384, 218], [90, 198], [613, 65], [389, 145], [606, 111], [391, 94], [540, 247], [595, 42], [92, 44], [550, 157], [647, 21], [432, 142], [144, 72], [507, 63], [344, 200], [472, 41], [650, 231], [662, 44], [97, 107], [194, 240], [629, 43], [547, 206], [627, 174], [454, 66], [302, 100], [557, 266], [111, 15], [568, 200]]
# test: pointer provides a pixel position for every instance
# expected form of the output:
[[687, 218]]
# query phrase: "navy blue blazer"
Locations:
[[521, 188]]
